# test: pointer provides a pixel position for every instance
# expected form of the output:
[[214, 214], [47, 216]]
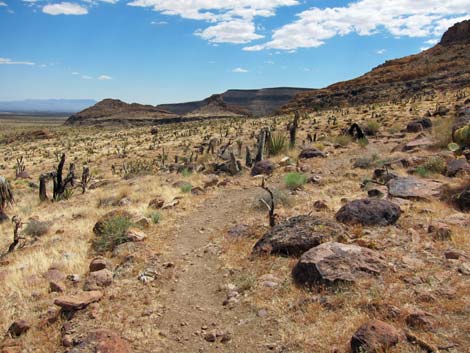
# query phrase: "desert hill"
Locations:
[[443, 67], [215, 106], [114, 111]]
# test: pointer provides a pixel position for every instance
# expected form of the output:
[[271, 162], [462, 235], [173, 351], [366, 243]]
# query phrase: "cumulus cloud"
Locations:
[[232, 21], [64, 8], [104, 78], [367, 17], [6, 61], [240, 70]]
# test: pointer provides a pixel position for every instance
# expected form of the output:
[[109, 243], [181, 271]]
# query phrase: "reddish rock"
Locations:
[[421, 320], [98, 279], [330, 263], [97, 264], [55, 275], [375, 337], [135, 235], [57, 287], [102, 341], [18, 328], [78, 301], [156, 203]]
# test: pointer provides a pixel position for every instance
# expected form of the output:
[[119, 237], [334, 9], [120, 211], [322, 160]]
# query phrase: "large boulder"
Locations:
[[413, 188], [331, 263], [375, 337], [369, 212], [298, 234], [103, 341]]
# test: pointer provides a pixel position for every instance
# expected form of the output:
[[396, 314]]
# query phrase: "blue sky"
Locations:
[[161, 51]]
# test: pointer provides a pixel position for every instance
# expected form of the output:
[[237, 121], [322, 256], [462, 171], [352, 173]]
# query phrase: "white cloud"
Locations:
[[75, 73], [368, 17], [65, 8], [381, 51], [159, 23], [432, 41], [3, 4], [240, 70], [232, 20], [86, 77], [236, 31], [104, 78], [6, 61]]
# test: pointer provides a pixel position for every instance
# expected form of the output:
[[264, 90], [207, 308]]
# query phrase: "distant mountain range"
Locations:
[[45, 106]]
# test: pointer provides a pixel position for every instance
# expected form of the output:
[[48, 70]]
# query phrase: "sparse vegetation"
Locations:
[[294, 181], [114, 233], [277, 144]]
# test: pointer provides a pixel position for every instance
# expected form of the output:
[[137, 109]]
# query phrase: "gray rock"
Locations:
[[369, 212]]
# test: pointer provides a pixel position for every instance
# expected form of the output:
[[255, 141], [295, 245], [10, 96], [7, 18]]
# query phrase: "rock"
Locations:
[[211, 181], [462, 200], [460, 32], [98, 279], [78, 301], [457, 166], [102, 341], [411, 187], [378, 191], [375, 337], [54, 275], [264, 167], [57, 287], [125, 201], [18, 328], [420, 143], [464, 268], [452, 254], [99, 226], [414, 127], [156, 203], [421, 320], [97, 264], [369, 212], [50, 316], [210, 336], [197, 190], [320, 205], [143, 222], [309, 153], [332, 263], [298, 234], [135, 235]]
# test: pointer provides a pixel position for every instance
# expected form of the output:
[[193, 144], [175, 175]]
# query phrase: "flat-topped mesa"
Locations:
[[460, 32]]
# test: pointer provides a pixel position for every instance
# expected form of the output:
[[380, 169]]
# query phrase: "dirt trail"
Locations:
[[194, 301]]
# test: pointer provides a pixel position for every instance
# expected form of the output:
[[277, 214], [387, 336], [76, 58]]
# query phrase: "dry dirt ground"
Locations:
[[194, 286]]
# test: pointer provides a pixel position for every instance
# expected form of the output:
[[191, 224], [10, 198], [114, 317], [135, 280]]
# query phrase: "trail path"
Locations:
[[194, 301]]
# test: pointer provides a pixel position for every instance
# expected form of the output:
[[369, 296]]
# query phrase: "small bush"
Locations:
[[422, 171], [435, 165], [295, 180], [37, 228], [342, 140], [372, 127], [186, 188], [363, 142], [442, 132], [114, 233], [280, 198], [155, 217], [276, 144], [186, 172]]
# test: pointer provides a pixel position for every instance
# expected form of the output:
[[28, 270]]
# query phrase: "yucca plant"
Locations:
[[276, 144], [6, 198]]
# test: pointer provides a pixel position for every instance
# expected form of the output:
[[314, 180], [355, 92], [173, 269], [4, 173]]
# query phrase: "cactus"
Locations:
[[461, 139]]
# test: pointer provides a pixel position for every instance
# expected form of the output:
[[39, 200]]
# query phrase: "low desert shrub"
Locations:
[[114, 233], [294, 181], [276, 144]]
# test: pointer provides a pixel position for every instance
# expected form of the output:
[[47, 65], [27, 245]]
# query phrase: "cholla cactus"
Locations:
[[6, 197]]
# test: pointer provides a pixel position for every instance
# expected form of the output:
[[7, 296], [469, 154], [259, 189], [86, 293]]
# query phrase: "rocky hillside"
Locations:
[[443, 67], [257, 102], [215, 106], [114, 111]]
